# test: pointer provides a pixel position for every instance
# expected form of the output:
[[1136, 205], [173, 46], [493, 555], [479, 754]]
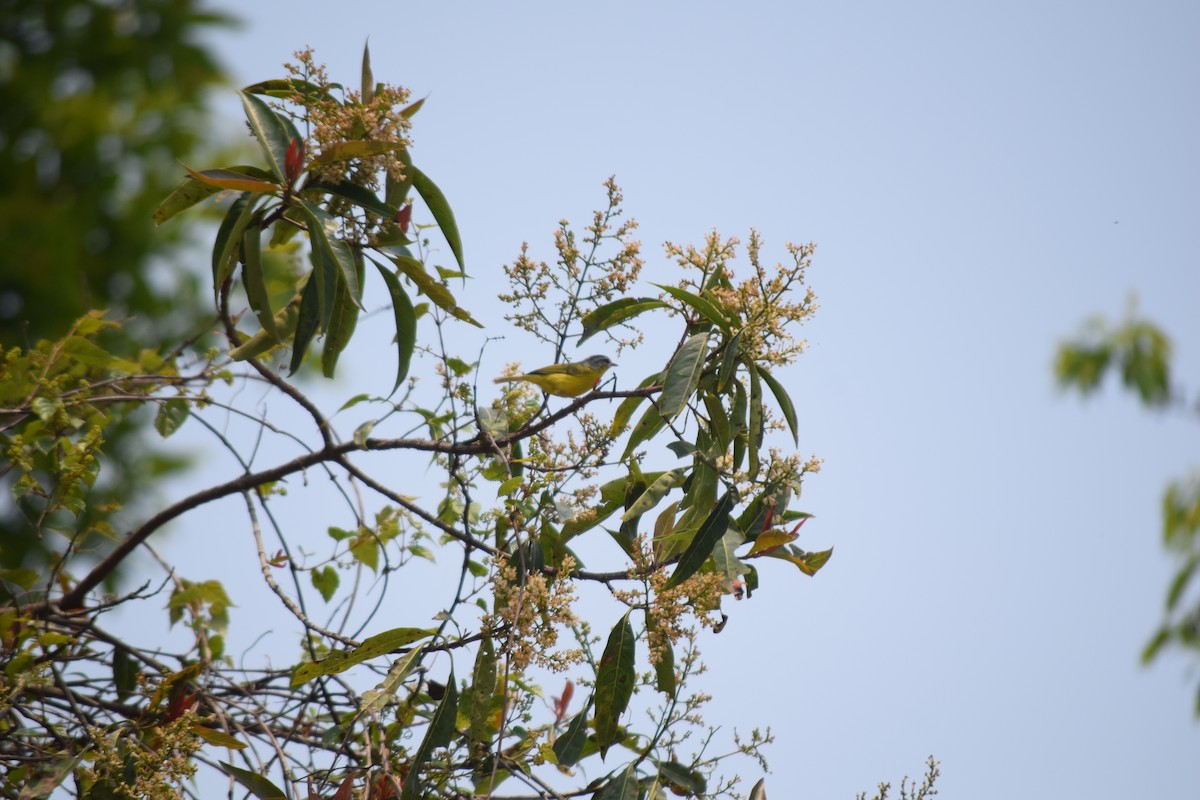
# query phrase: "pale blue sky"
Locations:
[[980, 178]]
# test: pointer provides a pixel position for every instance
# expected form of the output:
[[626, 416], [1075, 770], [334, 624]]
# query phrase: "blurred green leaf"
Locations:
[[341, 660], [614, 683], [258, 785]]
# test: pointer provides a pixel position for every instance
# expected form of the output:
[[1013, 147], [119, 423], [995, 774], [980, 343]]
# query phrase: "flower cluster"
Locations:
[[534, 608], [330, 124]]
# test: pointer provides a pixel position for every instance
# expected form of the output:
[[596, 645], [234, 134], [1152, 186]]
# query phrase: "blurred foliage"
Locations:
[[1139, 352], [98, 101]]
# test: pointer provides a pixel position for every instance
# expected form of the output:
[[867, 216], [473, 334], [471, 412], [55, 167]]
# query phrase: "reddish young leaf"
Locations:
[[404, 217], [562, 703], [294, 160]]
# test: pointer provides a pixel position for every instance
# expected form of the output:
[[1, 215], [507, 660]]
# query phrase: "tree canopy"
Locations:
[[582, 546]]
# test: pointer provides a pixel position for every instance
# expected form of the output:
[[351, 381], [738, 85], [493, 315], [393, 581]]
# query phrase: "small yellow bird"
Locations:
[[566, 380]]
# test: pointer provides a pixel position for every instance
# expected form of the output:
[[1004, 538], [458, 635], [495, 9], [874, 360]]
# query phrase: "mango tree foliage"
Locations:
[[1139, 352], [663, 496]]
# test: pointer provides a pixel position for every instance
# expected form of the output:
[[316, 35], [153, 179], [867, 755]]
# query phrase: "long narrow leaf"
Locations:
[[569, 746], [342, 322], [307, 322], [614, 683], [375, 699], [372, 647], [255, 282], [784, 401], [232, 180], [701, 546], [406, 322], [272, 133], [229, 240], [363, 198], [683, 375], [615, 313], [322, 231], [654, 493], [700, 304], [438, 734], [183, 197], [442, 214], [258, 785]]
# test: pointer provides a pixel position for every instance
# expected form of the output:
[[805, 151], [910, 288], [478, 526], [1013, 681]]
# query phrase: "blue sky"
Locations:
[[980, 178]]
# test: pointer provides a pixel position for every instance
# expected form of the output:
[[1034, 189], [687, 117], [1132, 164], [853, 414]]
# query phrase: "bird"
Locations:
[[566, 380]]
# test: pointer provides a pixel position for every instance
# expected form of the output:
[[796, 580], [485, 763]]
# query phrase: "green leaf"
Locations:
[[629, 405], [614, 683], [690, 782], [438, 734], [431, 287], [227, 245], [737, 422], [232, 180], [664, 671], [341, 660], [483, 686], [683, 375], [184, 196], [325, 581], [322, 232], [569, 747], [440, 208], [754, 434], [375, 699], [170, 416], [396, 191], [729, 362], [307, 322], [726, 562], [217, 737], [615, 313], [254, 281], [368, 79], [124, 672], [650, 423], [342, 322], [286, 88], [808, 563], [262, 341], [705, 307], [624, 786], [272, 133], [347, 151], [785, 403], [356, 194], [406, 322], [258, 784], [701, 546], [654, 493]]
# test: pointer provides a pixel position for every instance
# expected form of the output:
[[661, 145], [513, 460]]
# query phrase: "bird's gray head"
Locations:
[[599, 363]]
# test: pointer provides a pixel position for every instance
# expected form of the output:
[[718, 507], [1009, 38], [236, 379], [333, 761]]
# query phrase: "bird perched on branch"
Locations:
[[566, 380]]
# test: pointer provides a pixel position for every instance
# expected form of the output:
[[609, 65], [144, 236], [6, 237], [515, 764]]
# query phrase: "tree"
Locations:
[[98, 100], [670, 491], [1139, 352]]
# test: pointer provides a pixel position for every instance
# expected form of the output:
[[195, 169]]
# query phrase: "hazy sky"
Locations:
[[980, 178]]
